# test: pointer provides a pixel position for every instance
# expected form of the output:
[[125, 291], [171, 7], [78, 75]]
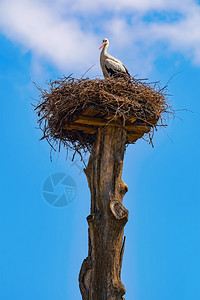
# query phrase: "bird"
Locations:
[[111, 67]]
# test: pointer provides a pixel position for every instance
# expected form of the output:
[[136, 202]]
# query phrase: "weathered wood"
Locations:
[[91, 121], [115, 123], [99, 277], [133, 137], [86, 129], [132, 120], [112, 117], [90, 111], [138, 128]]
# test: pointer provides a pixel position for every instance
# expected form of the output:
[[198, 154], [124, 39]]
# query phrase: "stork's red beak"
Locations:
[[102, 45]]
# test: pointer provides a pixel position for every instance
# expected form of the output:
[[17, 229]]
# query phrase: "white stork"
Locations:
[[111, 66]]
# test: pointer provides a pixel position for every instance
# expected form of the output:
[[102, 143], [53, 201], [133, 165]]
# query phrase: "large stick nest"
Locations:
[[67, 98]]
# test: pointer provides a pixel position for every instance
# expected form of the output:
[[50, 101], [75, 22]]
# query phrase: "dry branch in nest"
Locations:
[[71, 110]]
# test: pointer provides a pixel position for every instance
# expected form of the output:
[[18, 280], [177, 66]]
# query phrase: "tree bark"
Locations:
[[99, 277]]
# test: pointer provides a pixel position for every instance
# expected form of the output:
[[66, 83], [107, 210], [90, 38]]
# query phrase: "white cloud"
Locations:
[[183, 37], [40, 29], [146, 39], [99, 6], [67, 33]]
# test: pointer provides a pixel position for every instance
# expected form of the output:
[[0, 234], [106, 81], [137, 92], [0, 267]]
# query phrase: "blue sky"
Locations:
[[42, 247]]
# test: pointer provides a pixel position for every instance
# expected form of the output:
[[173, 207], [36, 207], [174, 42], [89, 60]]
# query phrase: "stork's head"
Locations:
[[105, 42]]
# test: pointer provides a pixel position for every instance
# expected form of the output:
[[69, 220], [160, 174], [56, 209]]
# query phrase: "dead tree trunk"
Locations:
[[99, 277]]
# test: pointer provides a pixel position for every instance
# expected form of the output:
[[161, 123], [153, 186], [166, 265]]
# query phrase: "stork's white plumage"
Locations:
[[111, 67]]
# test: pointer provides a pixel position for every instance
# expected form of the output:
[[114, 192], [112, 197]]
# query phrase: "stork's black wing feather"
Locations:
[[112, 72], [115, 69], [127, 72]]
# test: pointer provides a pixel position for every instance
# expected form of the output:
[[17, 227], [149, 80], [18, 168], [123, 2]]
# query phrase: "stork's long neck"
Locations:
[[104, 50]]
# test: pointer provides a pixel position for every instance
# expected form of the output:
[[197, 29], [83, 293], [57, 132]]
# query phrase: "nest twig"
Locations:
[[67, 98]]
